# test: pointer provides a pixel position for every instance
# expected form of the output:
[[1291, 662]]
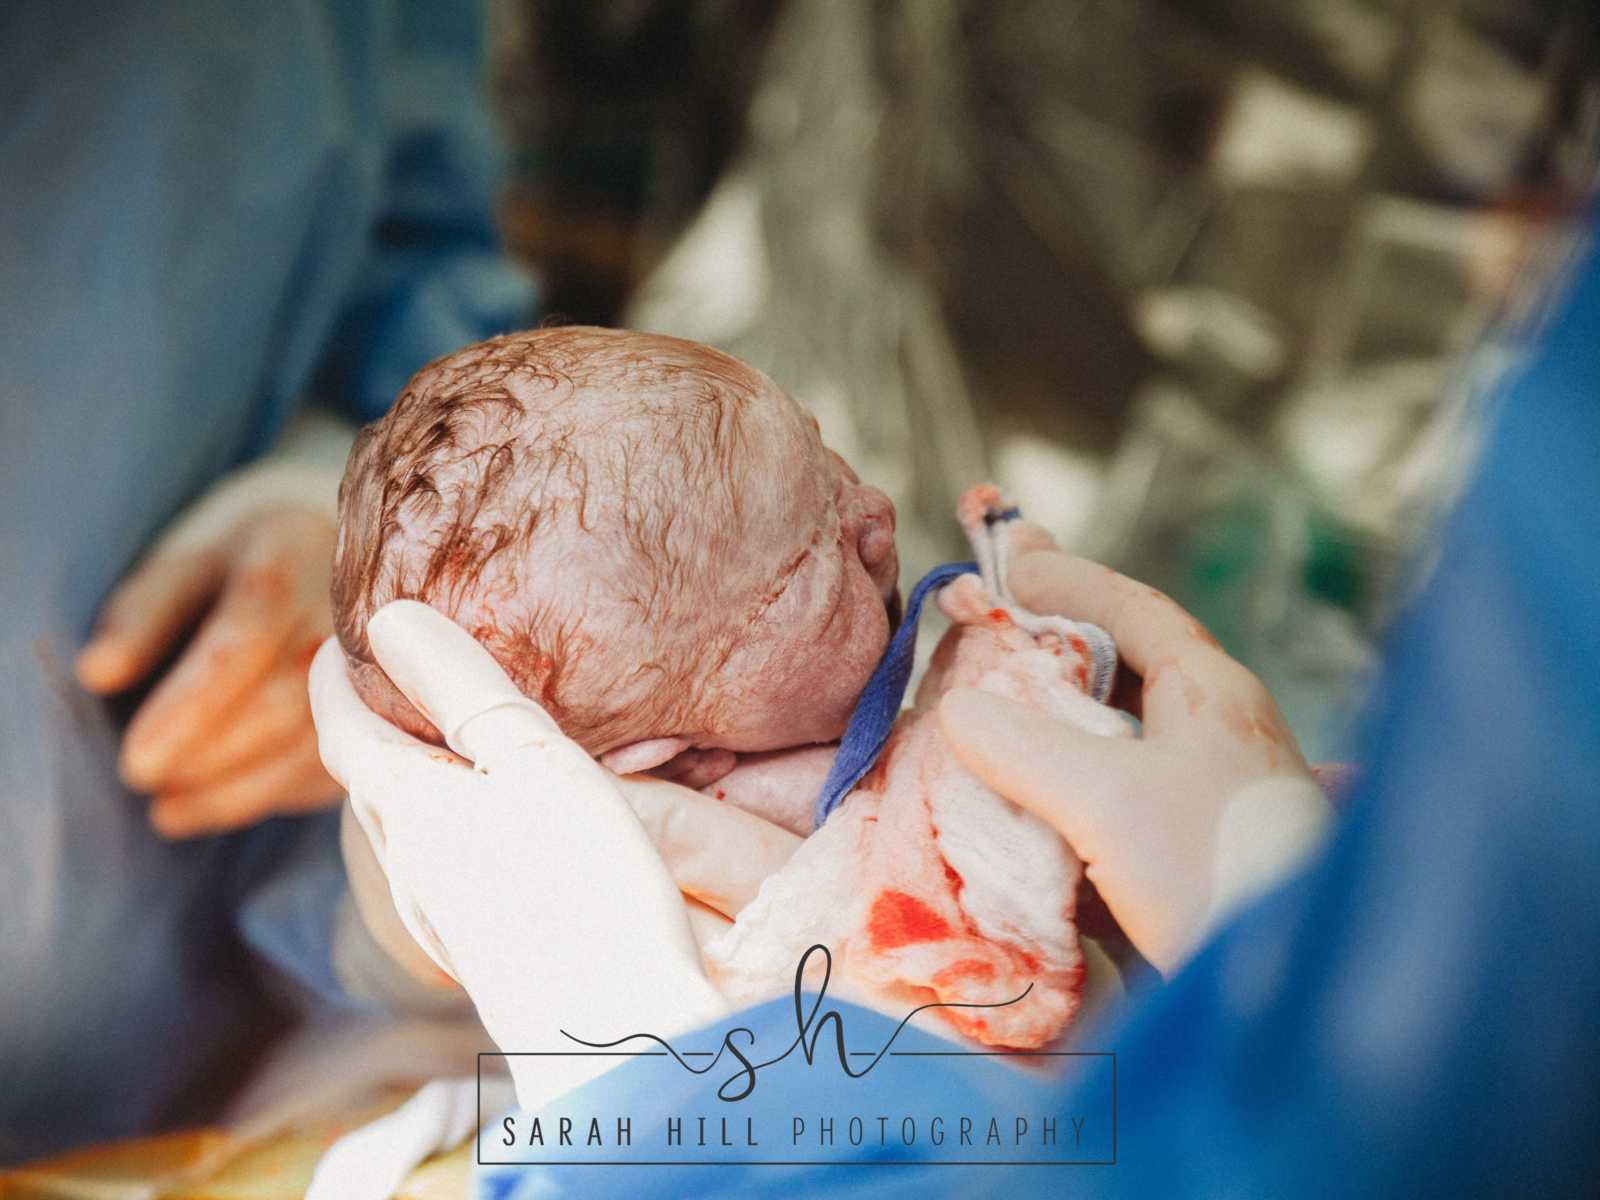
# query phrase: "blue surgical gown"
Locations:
[[1415, 1014], [210, 210]]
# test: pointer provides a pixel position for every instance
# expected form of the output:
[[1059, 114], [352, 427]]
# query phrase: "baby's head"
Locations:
[[648, 535]]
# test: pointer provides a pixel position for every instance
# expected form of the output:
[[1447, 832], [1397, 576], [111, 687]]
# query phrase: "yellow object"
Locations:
[[213, 1164]]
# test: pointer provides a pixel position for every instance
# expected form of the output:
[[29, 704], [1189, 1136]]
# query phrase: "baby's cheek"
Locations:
[[833, 672]]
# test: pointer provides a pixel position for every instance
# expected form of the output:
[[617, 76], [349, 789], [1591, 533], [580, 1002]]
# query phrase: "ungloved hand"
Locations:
[[522, 867], [225, 739], [1213, 804]]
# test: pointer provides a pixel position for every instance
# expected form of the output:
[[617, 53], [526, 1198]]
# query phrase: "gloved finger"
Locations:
[[1147, 625], [236, 645], [294, 781], [454, 682], [267, 720], [1024, 537], [1202, 690], [1048, 767], [143, 615], [374, 900], [349, 732], [715, 852]]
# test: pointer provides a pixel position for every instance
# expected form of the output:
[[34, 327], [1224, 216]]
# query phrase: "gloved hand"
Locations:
[[1213, 804], [522, 867], [225, 739]]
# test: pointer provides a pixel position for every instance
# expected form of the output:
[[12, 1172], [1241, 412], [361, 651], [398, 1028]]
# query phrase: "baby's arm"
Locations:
[[780, 786]]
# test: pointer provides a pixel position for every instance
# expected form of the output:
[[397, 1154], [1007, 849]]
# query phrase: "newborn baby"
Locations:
[[648, 535], [653, 542]]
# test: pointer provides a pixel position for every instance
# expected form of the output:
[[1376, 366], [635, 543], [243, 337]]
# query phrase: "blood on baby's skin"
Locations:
[[721, 795], [899, 920], [999, 616]]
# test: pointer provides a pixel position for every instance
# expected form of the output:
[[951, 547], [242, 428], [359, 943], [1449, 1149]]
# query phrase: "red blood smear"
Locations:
[[898, 920], [1081, 648], [953, 878], [998, 615], [963, 970]]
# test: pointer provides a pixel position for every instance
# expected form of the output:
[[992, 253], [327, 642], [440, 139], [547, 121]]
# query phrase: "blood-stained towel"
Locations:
[[923, 881]]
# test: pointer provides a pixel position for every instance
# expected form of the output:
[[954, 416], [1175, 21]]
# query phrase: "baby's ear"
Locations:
[[643, 756]]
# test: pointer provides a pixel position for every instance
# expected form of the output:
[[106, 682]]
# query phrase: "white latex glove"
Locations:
[[1212, 805], [517, 862], [225, 739], [372, 1162]]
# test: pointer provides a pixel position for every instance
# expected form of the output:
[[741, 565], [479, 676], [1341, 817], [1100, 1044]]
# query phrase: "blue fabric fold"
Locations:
[[880, 701]]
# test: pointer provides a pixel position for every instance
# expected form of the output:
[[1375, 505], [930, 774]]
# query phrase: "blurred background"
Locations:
[[1216, 289], [1208, 286]]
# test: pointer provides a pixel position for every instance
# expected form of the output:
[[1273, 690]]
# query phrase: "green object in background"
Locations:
[[1332, 570], [1224, 555]]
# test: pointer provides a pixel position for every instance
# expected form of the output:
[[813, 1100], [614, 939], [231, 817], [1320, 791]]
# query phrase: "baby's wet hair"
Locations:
[[522, 481]]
